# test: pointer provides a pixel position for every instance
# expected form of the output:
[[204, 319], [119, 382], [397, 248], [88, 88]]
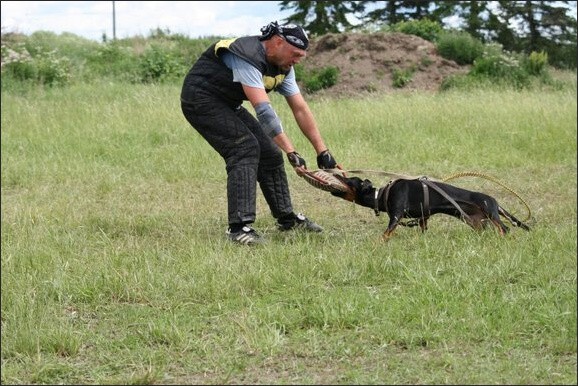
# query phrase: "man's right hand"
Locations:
[[326, 161]]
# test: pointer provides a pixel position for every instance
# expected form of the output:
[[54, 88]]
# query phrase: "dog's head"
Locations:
[[358, 189]]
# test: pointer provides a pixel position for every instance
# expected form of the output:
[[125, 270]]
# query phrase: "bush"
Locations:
[[113, 60], [318, 79], [17, 63], [498, 68], [504, 67], [424, 28], [53, 69], [460, 47], [536, 63], [20, 71], [39, 58], [46, 68], [563, 56], [402, 77], [158, 64]]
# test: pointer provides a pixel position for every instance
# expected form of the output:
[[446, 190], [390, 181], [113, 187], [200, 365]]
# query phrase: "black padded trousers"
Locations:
[[250, 156]]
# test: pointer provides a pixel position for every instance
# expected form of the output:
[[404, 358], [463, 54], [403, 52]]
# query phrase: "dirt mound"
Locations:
[[367, 62]]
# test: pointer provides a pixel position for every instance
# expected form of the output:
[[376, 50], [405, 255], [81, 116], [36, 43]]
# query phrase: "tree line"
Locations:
[[518, 26]]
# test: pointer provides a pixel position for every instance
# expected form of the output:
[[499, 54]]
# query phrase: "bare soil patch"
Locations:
[[367, 62]]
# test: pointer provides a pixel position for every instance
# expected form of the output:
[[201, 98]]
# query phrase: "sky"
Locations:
[[92, 19]]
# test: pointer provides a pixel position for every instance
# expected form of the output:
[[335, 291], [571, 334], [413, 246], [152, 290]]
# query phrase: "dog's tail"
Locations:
[[512, 219]]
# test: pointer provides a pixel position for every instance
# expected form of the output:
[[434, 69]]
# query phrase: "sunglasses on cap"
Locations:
[[291, 33], [294, 41]]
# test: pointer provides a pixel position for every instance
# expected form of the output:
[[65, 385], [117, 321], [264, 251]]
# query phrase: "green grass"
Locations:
[[115, 267]]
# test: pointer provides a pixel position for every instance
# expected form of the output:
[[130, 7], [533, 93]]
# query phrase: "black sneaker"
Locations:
[[299, 222], [245, 236]]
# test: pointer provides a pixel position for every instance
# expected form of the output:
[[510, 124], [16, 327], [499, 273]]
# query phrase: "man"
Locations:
[[247, 68]]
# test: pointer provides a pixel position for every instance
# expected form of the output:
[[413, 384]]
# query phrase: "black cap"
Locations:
[[291, 33]]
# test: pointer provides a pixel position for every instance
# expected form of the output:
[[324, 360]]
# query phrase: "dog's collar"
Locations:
[[376, 202], [377, 197]]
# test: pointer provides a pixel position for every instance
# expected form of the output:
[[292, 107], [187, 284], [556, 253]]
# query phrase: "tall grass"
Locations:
[[115, 267]]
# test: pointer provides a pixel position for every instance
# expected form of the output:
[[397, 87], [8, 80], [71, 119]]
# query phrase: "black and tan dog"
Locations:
[[421, 198]]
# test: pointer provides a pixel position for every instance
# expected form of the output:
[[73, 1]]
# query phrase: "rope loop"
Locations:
[[494, 180]]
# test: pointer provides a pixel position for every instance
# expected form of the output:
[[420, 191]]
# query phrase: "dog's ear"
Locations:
[[366, 185], [352, 182]]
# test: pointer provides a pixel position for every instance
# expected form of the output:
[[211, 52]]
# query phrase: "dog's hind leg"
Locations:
[[494, 217], [393, 222], [490, 208], [387, 234], [502, 229]]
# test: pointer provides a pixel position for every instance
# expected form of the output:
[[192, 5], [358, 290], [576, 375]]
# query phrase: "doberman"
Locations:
[[421, 198]]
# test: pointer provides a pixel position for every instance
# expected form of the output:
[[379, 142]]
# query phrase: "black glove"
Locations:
[[296, 160], [326, 161]]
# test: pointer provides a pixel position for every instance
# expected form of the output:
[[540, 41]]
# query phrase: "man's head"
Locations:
[[286, 44], [291, 33]]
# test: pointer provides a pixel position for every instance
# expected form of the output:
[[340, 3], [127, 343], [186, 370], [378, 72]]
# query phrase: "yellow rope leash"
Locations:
[[494, 180]]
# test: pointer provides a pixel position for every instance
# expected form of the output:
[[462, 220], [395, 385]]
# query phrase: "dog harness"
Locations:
[[425, 183]]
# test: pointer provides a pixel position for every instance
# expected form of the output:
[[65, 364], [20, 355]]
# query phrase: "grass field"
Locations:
[[116, 269]]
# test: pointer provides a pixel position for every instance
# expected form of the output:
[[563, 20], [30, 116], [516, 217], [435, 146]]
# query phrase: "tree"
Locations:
[[528, 26], [417, 9], [388, 15], [539, 20], [521, 26], [396, 11], [470, 16], [320, 17]]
